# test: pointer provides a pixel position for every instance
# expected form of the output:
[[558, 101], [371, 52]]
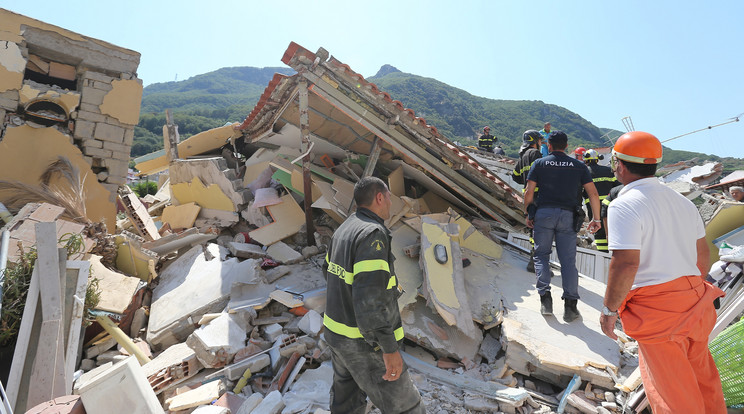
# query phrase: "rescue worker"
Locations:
[[362, 320], [544, 146], [486, 140], [528, 153], [560, 179], [579, 153], [604, 179], [605, 204], [656, 283]]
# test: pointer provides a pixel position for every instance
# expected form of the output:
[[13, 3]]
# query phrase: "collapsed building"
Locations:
[[212, 289]]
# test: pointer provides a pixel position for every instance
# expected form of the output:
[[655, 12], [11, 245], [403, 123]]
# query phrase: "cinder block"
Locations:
[[90, 116], [90, 108], [92, 96], [92, 143], [271, 332], [97, 76], [97, 152], [104, 86], [84, 129], [121, 156], [129, 136], [115, 147], [217, 342], [107, 132]]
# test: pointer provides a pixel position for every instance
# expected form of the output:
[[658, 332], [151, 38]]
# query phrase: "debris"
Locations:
[[287, 218], [172, 366], [250, 404], [311, 323], [217, 342], [122, 385], [271, 404], [282, 253], [204, 394]]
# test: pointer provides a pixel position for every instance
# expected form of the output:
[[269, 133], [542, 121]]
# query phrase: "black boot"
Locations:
[[546, 304], [570, 311]]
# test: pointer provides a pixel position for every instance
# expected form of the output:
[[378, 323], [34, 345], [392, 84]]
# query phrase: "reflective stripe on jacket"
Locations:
[[362, 290]]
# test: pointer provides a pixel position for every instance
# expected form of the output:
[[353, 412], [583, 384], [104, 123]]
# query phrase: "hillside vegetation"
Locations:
[[227, 95]]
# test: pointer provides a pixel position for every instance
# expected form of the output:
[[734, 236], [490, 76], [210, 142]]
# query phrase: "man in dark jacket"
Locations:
[[362, 319], [604, 179], [528, 153], [486, 140]]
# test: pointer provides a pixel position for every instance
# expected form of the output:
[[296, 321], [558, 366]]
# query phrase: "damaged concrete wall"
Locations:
[[85, 89]]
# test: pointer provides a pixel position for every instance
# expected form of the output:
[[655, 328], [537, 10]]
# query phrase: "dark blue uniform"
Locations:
[[560, 179]]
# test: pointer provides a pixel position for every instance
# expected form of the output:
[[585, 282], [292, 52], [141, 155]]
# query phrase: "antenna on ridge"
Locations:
[[628, 124]]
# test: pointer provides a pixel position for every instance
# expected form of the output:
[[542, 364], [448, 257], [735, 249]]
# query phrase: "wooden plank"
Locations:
[[79, 270], [41, 64], [17, 380]]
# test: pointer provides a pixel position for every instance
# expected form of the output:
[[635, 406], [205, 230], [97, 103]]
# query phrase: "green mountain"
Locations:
[[229, 94]]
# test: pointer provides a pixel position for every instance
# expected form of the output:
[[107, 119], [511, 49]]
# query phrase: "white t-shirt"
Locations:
[[662, 224]]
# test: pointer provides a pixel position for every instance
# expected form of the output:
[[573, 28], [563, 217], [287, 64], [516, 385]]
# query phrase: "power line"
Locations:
[[734, 119]]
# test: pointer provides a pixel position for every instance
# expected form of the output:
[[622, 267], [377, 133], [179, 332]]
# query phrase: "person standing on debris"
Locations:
[[544, 146], [362, 319], [656, 283], [604, 179], [737, 193], [528, 153], [553, 216], [486, 140]]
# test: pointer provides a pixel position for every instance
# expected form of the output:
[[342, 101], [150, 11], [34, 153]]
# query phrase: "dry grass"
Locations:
[[71, 196]]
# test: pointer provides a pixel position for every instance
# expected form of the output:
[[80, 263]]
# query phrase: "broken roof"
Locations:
[[348, 112]]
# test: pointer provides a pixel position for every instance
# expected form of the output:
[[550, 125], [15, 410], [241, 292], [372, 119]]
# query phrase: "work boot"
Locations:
[[570, 312], [546, 304]]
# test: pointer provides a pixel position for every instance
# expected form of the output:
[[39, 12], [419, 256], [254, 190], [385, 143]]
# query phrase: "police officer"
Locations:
[[362, 319], [560, 179], [486, 140], [604, 179]]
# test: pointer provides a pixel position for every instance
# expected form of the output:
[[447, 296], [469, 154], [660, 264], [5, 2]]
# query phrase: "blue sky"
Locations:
[[673, 66]]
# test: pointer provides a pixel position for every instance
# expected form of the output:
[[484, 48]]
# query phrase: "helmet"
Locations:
[[531, 136], [638, 147], [591, 154], [486, 128], [580, 151]]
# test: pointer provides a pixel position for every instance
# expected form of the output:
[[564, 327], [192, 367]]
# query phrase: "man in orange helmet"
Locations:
[[655, 283], [579, 153]]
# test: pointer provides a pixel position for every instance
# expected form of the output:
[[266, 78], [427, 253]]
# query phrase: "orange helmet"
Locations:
[[580, 151], [638, 147]]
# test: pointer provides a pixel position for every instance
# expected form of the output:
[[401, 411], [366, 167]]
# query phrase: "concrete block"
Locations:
[[191, 286], [479, 403], [84, 129], [196, 397], [271, 404], [255, 364], [489, 348], [251, 403], [282, 253], [107, 132], [107, 356], [88, 107], [311, 323], [122, 385], [116, 147], [216, 343], [98, 85], [271, 332], [97, 76], [100, 347], [97, 152], [87, 364], [92, 143], [90, 116], [129, 136], [92, 96]]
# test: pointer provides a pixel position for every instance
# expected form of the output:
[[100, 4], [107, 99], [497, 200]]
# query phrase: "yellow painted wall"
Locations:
[[194, 145], [440, 275], [123, 101], [726, 220], [476, 241], [25, 152], [205, 197]]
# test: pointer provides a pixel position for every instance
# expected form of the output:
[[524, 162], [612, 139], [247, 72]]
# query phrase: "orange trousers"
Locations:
[[672, 322]]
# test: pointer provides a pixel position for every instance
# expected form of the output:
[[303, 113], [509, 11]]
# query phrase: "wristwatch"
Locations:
[[607, 312]]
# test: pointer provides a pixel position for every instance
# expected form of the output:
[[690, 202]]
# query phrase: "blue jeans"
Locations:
[[556, 223]]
